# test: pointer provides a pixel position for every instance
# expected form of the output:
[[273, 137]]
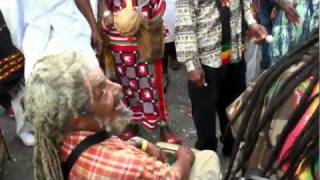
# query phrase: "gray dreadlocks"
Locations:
[[55, 93]]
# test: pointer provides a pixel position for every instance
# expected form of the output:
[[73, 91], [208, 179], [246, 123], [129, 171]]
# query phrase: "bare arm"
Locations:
[[85, 8], [289, 7], [107, 21], [102, 6], [184, 162]]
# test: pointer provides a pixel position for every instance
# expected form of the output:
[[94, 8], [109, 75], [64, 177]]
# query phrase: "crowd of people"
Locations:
[[55, 64]]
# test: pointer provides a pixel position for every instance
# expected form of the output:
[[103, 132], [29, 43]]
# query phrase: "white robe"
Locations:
[[169, 18], [52, 26], [13, 15]]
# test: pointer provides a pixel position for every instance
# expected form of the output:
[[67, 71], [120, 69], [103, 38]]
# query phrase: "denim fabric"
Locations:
[[265, 20]]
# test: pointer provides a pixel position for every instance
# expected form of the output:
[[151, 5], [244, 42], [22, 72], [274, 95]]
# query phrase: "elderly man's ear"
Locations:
[[86, 123]]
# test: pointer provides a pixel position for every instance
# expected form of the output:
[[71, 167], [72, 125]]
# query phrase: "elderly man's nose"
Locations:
[[117, 88], [114, 87]]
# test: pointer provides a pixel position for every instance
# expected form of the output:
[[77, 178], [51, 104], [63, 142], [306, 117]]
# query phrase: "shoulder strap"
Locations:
[[80, 148]]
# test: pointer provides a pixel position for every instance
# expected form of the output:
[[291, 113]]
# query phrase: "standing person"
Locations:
[[11, 73], [293, 24], [170, 55], [209, 42], [52, 26], [141, 81], [265, 11]]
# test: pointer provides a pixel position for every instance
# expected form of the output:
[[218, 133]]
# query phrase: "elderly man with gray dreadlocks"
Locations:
[[72, 104]]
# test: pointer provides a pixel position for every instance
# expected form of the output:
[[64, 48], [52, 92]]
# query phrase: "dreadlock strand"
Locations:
[[47, 159], [301, 141], [245, 121], [248, 101], [52, 99], [276, 102], [272, 76], [301, 147], [279, 67], [292, 121], [279, 99], [256, 115]]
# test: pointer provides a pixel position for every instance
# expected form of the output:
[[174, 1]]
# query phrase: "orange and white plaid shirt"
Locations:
[[114, 159]]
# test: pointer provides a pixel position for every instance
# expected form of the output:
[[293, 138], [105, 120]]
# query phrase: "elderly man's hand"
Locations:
[[258, 32], [156, 152], [185, 153], [184, 161]]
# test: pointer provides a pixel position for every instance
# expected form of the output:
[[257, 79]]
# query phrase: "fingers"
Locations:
[[292, 16], [274, 13], [103, 24], [201, 82], [260, 33], [99, 48]]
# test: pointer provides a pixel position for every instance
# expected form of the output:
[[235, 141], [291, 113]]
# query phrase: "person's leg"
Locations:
[[232, 85], [165, 134], [6, 104], [266, 21], [23, 128], [125, 70], [203, 102], [5, 100], [165, 63], [174, 64]]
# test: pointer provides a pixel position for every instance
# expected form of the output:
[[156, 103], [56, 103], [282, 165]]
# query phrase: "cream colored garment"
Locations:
[[206, 165]]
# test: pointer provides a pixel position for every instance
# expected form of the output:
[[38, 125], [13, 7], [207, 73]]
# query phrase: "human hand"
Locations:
[[107, 22], [197, 76], [185, 153], [274, 13], [258, 33], [97, 41], [184, 162], [291, 13], [156, 152]]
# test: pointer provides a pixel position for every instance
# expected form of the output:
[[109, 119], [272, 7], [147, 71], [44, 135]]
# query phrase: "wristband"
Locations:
[[144, 145]]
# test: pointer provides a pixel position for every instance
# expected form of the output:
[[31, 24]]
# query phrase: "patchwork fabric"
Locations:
[[139, 87], [142, 82]]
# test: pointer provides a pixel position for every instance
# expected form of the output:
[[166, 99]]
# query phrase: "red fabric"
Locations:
[[159, 80]]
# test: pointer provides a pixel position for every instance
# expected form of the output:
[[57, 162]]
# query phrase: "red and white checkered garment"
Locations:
[[114, 159], [142, 82]]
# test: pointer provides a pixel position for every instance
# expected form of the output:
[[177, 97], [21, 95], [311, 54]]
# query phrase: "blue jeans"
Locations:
[[265, 20]]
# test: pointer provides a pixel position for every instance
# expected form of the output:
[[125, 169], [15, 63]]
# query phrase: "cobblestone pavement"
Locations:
[[20, 168]]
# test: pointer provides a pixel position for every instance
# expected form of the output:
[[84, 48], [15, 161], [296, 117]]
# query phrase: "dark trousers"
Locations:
[[169, 52], [225, 84]]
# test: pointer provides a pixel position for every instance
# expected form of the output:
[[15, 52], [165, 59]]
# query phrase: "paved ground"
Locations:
[[20, 168]]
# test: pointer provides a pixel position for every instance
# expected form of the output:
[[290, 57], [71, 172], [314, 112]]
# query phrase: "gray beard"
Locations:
[[124, 115]]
